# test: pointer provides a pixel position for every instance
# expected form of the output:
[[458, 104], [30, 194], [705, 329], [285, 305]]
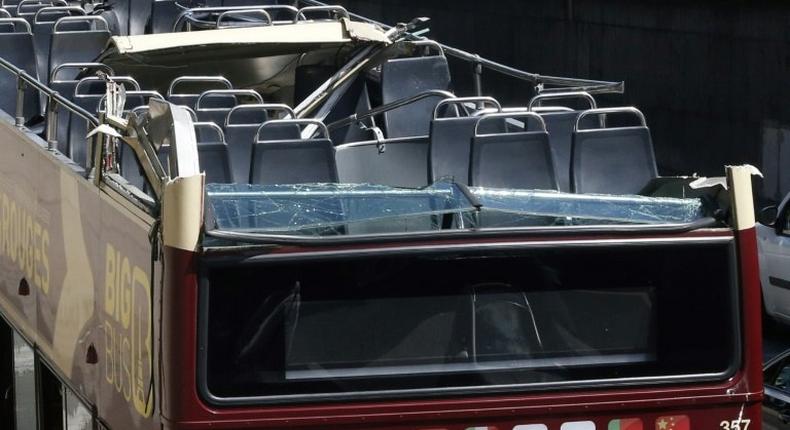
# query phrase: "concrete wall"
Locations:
[[713, 77]]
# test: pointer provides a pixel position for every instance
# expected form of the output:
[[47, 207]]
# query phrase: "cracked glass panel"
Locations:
[[355, 209]]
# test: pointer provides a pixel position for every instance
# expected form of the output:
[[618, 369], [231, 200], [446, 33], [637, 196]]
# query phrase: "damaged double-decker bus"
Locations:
[[290, 216]]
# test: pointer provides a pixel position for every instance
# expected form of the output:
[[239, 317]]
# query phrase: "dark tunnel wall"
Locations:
[[712, 77]]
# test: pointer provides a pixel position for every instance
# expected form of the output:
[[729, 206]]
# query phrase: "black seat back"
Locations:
[[185, 90], [355, 100], [163, 15], [517, 160], [17, 48], [241, 127], [403, 162], [294, 161], [406, 77], [43, 24], [214, 105], [27, 9], [612, 160], [77, 46], [560, 122], [139, 15], [451, 140], [213, 153]]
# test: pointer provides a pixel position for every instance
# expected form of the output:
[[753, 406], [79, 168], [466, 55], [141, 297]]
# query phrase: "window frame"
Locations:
[[202, 368]]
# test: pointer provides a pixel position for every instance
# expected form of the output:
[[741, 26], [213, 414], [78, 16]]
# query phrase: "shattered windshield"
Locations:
[[357, 209]]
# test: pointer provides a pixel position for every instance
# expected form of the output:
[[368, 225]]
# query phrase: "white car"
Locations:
[[773, 242]]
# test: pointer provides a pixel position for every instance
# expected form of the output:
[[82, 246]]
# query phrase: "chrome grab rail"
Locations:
[[54, 9], [203, 79], [55, 101], [237, 92], [213, 126], [510, 115], [604, 111], [560, 96], [244, 12], [390, 106], [569, 84], [340, 10], [321, 126], [259, 107], [480, 101], [186, 16], [84, 66]]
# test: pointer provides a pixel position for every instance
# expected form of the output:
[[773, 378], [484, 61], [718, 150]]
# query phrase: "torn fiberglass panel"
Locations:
[[591, 208], [326, 209]]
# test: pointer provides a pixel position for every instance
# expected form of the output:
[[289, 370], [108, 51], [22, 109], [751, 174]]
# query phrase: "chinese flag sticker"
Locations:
[[626, 424], [674, 422]]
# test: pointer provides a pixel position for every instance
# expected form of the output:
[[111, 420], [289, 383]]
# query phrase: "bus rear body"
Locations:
[[251, 219]]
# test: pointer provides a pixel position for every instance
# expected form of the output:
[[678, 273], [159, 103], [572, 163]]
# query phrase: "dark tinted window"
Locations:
[[468, 320]]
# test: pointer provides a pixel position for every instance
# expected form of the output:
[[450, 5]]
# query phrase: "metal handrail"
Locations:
[[260, 107], [118, 79], [86, 18], [41, 3], [55, 101], [203, 79], [590, 86], [511, 115], [230, 13], [212, 125], [323, 8], [567, 95], [237, 92], [141, 93], [314, 122], [52, 77], [52, 9], [461, 100], [187, 13], [15, 21], [390, 106], [604, 111]]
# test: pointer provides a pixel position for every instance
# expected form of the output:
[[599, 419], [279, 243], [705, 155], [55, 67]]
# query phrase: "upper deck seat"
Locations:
[[515, 160], [27, 9], [71, 44], [63, 80], [163, 15], [403, 162], [213, 153], [293, 161], [241, 127], [451, 139], [185, 90], [116, 14], [406, 77], [618, 160], [88, 94], [560, 121], [355, 100], [43, 25], [215, 105], [17, 47]]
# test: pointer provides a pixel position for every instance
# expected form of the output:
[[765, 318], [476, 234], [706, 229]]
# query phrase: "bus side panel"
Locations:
[[86, 260], [19, 172], [125, 314]]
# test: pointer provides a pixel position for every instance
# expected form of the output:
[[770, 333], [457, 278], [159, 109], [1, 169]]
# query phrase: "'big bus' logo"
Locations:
[[127, 331]]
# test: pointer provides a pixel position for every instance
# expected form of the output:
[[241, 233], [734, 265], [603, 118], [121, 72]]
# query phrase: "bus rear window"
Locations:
[[466, 322]]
